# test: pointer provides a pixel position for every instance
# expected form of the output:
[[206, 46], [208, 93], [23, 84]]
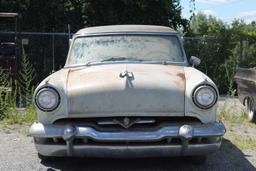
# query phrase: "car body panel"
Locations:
[[125, 28], [194, 78], [100, 90]]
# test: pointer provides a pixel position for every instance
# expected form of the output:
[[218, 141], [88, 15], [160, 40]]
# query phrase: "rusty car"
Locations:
[[246, 90], [127, 91]]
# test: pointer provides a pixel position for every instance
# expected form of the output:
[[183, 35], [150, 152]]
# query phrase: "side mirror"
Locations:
[[194, 61]]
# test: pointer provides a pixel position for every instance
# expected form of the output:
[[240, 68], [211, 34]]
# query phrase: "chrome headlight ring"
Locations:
[[205, 96], [47, 99]]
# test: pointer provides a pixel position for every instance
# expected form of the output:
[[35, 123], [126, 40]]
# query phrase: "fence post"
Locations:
[[53, 52]]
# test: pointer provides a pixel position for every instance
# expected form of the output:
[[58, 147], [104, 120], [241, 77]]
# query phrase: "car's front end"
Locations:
[[127, 106]]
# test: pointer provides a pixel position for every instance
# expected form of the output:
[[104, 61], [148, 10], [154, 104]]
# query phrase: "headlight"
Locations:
[[47, 99], [205, 96]]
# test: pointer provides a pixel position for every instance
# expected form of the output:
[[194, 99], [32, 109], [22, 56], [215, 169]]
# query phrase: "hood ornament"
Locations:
[[126, 74], [126, 122]]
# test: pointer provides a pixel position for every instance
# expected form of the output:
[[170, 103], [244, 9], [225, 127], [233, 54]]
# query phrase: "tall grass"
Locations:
[[22, 116], [16, 104]]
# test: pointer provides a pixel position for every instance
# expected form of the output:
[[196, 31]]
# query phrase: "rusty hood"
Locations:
[[126, 89]]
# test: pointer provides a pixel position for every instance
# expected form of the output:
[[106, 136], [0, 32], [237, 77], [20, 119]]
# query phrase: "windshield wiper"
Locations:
[[120, 59], [109, 59], [114, 59], [91, 63]]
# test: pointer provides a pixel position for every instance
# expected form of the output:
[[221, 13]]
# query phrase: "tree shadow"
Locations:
[[229, 157]]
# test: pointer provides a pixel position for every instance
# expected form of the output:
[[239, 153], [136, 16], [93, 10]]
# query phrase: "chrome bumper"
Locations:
[[102, 149]]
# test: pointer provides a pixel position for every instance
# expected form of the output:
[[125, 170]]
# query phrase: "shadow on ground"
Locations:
[[229, 157]]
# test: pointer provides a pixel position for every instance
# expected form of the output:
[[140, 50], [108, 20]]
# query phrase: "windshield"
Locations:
[[86, 50]]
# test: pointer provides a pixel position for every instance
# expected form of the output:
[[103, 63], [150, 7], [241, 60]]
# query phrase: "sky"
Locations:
[[226, 10]]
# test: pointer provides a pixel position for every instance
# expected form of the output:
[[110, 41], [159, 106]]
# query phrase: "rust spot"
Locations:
[[180, 79], [181, 76]]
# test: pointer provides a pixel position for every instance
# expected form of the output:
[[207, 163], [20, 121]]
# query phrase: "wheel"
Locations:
[[198, 160], [249, 105]]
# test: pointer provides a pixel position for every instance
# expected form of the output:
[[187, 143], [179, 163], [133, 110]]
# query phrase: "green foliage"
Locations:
[[158, 12], [26, 76], [246, 48], [13, 115], [230, 71], [4, 92], [221, 47], [26, 116], [43, 15], [11, 94]]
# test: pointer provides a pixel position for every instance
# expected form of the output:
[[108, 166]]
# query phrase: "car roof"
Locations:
[[126, 28]]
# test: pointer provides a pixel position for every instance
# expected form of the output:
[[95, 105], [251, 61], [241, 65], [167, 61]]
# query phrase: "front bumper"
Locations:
[[195, 139]]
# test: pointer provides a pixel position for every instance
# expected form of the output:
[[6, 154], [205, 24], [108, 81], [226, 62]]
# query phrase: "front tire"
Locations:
[[249, 105]]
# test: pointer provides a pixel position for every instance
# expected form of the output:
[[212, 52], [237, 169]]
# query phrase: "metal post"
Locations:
[[16, 45], [53, 52]]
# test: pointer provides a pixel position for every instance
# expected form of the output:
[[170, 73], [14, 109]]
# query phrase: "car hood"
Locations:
[[126, 89]]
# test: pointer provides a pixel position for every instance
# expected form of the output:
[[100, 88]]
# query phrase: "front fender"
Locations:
[[193, 79], [58, 81]]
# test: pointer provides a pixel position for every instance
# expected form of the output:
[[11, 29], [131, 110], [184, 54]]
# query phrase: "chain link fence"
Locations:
[[47, 51]]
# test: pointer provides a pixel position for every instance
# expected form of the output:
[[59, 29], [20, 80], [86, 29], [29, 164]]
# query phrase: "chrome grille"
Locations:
[[121, 123]]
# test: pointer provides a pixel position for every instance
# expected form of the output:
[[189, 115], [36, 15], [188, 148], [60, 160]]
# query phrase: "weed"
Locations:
[[27, 115], [17, 92]]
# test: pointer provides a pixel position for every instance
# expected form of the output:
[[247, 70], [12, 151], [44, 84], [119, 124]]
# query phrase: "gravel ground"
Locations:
[[17, 152]]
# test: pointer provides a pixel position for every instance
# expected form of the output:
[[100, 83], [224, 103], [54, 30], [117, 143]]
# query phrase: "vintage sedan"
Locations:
[[127, 91]]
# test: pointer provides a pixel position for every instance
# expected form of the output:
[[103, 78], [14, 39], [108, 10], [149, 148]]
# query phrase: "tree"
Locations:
[[156, 12], [222, 47], [211, 40], [245, 50], [43, 15]]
